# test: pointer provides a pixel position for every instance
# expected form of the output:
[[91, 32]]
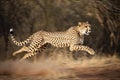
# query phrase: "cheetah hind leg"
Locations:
[[24, 48], [30, 54], [27, 55]]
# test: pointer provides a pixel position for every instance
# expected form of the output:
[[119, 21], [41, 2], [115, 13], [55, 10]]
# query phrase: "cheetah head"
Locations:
[[84, 28]]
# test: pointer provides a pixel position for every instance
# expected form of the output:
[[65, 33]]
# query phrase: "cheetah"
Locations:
[[73, 38]]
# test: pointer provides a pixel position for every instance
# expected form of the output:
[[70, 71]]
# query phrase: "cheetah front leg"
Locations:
[[82, 48]]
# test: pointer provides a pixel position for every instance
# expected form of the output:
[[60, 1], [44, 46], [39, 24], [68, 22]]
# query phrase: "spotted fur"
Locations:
[[72, 38]]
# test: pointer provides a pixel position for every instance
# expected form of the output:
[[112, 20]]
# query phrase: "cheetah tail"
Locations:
[[18, 43]]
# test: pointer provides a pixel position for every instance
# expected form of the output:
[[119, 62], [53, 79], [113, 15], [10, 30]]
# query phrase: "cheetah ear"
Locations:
[[79, 23]]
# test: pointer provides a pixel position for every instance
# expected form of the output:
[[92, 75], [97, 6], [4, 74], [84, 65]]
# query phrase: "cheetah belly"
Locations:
[[61, 44], [57, 42]]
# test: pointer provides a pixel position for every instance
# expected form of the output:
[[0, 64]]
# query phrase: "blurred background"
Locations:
[[29, 16]]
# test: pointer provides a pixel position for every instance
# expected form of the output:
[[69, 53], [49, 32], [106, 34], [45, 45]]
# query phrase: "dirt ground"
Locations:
[[98, 68], [98, 73]]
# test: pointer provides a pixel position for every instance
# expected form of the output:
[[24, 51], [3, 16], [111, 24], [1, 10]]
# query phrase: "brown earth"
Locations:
[[62, 68]]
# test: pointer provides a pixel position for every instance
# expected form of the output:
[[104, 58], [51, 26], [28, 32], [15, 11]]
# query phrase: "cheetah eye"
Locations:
[[85, 26]]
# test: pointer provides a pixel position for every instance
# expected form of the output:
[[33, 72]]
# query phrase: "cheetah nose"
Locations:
[[89, 31]]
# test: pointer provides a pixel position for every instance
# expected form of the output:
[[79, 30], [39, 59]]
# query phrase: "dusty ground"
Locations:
[[62, 68]]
